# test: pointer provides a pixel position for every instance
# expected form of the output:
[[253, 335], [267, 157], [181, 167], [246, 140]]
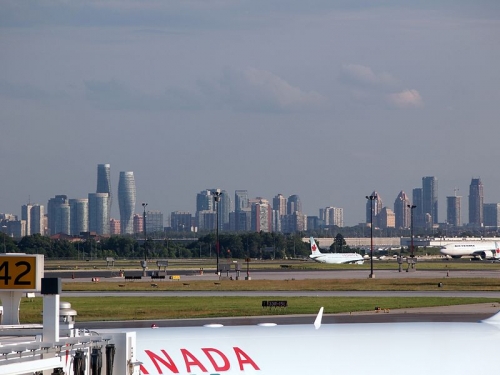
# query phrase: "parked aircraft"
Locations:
[[330, 349], [333, 258], [478, 249]]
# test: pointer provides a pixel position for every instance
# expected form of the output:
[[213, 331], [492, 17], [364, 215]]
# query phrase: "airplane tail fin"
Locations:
[[314, 247], [497, 251]]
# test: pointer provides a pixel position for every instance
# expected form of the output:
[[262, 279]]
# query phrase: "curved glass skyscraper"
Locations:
[[104, 182], [126, 202]]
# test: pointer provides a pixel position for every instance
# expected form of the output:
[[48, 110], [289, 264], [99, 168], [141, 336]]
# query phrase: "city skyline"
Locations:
[[327, 100]]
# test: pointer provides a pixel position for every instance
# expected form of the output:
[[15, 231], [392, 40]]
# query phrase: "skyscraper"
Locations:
[[491, 213], [26, 216], [104, 183], [126, 202], [37, 218], [418, 211], [401, 211], [99, 213], [453, 210], [333, 216], [293, 204], [279, 204], [52, 207], [79, 216], [240, 200], [430, 197], [261, 216], [476, 199]]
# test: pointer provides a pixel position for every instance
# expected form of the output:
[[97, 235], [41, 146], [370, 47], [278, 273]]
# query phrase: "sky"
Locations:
[[327, 99]]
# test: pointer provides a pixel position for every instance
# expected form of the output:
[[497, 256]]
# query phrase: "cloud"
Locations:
[[406, 99], [260, 91], [114, 95], [21, 91], [361, 75]]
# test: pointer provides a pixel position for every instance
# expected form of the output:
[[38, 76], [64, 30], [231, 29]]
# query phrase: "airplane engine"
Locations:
[[489, 255]]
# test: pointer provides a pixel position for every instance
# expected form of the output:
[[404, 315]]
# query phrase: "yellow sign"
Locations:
[[18, 272]]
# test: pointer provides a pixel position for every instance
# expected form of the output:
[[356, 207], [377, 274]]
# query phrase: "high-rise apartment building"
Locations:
[[240, 200], [114, 227], [138, 224], [261, 216], [476, 200], [126, 202], [280, 204], [37, 219], [104, 183], [180, 221], [402, 211], [154, 222], [491, 212], [26, 216], [293, 204], [386, 218], [453, 210], [79, 216], [99, 213], [63, 219], [430, 197], [333, 216], [52, 208]]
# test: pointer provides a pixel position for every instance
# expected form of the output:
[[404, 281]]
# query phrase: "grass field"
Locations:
[[134, 308]]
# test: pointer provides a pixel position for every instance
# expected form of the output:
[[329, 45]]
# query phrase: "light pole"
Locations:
[[411, 207], [371, 198], [217, 193], [145, 263]]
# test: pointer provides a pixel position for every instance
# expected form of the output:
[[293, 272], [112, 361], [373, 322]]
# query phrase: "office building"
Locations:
[[418, 211], [402, 213], [453, 211], [240, 200], [206, 220], [79, 216], [476, 200], [126, 202], [491, 212], [430, 197], [99, 213]]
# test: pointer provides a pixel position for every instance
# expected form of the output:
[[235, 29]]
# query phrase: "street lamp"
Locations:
[[144, 265], [371, 198], [217, 193], [411, 207]]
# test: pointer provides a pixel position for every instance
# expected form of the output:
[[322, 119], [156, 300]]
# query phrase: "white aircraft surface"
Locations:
[[478, 249], [333, 258], [329, 349]]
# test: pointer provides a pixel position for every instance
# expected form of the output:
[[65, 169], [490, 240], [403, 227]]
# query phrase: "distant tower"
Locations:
[[430, 197], [37, 215], [104, 183], [79, 216], [401, 211], [126, 202], [453, 210], [99, 213], [240, 200], [280, 204], [293, 205], [476, 198], [52, 208], [26, 216]]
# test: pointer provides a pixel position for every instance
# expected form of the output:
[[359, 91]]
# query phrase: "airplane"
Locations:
[[478, 249], [433, 348], [333, 258]]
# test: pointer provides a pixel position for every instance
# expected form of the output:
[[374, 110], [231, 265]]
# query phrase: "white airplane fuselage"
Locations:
[[333, 349], [337, 258], [480, 249]]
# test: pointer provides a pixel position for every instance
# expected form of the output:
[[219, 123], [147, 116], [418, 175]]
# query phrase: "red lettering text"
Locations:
[[168, 363], [244, 359], [191, 360], [143, 371], [208, 352]]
